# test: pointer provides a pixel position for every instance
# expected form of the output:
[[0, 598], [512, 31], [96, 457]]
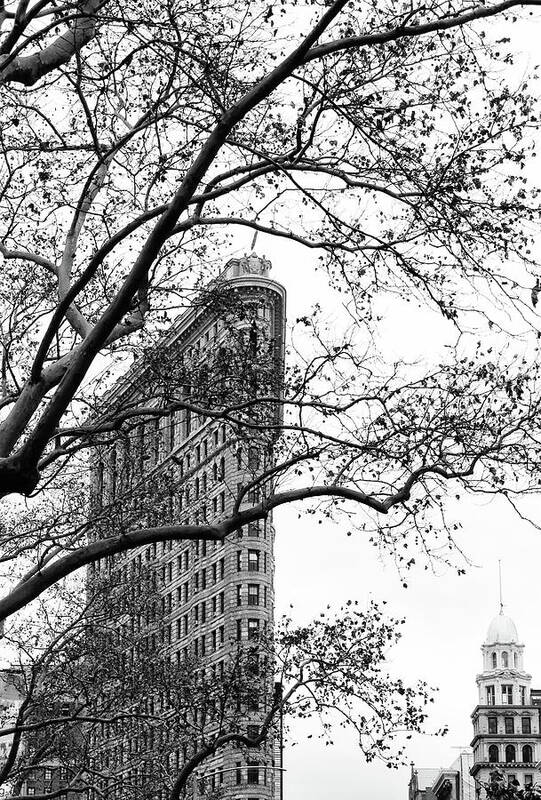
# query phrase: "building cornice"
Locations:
[[509, 709]]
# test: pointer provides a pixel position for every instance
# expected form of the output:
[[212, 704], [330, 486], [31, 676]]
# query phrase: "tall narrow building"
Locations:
[[186, 467], [506, 722]]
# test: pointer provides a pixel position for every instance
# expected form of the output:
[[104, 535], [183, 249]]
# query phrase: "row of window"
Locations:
[[510, 753], [505, 659], [251, 560], [512, 779], [150, 442], [210, 642], [507, 695], [509, 725]]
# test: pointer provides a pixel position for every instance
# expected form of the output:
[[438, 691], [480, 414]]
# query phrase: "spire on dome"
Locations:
[[501, 595]]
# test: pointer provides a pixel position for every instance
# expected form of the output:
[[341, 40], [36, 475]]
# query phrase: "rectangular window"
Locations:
[[507, 694], [492, 725], [239, 594], [253, 594], [526, 725], [253, 628], [222, 602], [238, 773], [253, 560], [239, 560], [239, 630], [522, 695], [491, 696], [254, 495], [509, 725], [252, 773], [528, 780]]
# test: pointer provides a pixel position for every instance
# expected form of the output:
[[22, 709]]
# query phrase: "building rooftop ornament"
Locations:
[[247, 265]]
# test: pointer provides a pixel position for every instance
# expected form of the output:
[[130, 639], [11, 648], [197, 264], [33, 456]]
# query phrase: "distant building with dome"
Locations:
[[506, 725]]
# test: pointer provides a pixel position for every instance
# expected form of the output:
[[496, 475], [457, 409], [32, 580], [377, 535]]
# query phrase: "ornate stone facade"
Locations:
[[213, 594]]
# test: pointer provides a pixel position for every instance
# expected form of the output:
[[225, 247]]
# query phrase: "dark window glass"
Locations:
[[253, 773], [493, 755]]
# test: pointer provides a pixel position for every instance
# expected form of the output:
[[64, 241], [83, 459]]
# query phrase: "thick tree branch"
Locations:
[[411, 31], [29, 69]]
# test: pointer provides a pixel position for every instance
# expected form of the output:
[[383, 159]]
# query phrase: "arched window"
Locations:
[[505, 659], [494, 661], [527, 754], [493, 755], [510, 753]]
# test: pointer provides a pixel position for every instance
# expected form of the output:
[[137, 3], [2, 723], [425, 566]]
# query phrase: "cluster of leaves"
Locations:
[[500, 788]]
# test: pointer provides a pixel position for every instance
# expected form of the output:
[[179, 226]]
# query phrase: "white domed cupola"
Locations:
[[502, 630], [503, 663]]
